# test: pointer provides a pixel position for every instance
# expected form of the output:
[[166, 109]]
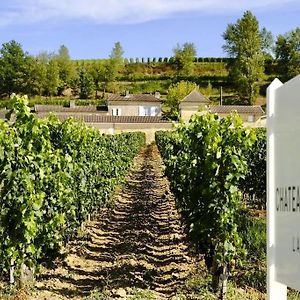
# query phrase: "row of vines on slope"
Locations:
[[52, 175], [207, 164]]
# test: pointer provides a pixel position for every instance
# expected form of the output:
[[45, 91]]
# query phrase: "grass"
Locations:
[[198, 286], [293, 295], [98, 295]]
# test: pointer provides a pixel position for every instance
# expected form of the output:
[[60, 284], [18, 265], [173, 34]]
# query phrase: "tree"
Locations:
[[97, 71], [288, 53], [267, 40], [13, 68], [243, 42], [116, 58], [176, 93], [184, 58], [52, 78], [114, 65], [65, 66], [86, 84], [37, 76]]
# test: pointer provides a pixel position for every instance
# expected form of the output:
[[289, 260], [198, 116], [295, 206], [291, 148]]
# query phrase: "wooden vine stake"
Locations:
[[11, 272]]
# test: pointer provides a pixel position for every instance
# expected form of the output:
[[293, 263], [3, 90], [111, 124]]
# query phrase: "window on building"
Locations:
[[250, 118], [116, 111], [148, 111]]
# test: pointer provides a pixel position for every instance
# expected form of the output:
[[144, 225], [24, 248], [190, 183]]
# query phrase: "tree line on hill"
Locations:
[[250, 50], [149, 60]]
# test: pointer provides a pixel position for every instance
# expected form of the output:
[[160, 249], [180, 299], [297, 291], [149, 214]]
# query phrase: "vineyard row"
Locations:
[[53, 175], [213, 165]]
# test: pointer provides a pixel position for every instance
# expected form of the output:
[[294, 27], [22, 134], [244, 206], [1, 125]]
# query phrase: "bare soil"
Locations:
[[139, 243]]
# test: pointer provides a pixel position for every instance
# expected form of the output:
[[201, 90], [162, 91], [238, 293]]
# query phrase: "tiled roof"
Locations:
[[133, 98], [244, 109], [60, 108], [195, 97], [91, 118]]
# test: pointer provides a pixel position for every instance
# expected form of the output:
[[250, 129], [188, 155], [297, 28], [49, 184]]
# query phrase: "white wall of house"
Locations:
[[134, 109]]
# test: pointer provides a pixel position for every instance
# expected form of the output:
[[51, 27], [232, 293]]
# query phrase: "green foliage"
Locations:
[[184, 57], [85, 84], [205, 161], [176, 93], [208, 90], [37, 72], [138, 294], [253, 272], [52, 78], [244, 43], [13, 68], [97, 71], [53, 175], [65, 67], [288, 53], [255, 182], [116, 58], [198, 286], [267, 42], [98, 295], [113, 66]]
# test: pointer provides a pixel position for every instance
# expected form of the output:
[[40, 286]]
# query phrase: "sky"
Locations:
[[145, 28]]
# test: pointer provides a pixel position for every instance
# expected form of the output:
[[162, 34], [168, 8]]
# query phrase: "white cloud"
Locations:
[[121, 11]]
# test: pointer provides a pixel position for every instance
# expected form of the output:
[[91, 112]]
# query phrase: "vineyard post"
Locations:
[[11, 272], [276, 290]]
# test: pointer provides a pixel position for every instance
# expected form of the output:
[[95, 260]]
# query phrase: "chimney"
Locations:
[[157, 95], [72, 103], [126, 94]]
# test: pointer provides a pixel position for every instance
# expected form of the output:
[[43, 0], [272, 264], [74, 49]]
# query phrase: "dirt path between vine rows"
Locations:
[[137, 244]]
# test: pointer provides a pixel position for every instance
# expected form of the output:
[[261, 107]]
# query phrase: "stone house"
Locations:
[[251, 115], [195, 102], [142, 112], [122, 113], [191, 104], [134, 105]]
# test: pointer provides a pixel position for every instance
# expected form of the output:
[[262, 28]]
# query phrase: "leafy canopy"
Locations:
[[184, 57], [243, 41], [176, 93], [288, 53]]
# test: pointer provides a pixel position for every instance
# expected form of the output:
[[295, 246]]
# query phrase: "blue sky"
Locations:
[[89, 28]]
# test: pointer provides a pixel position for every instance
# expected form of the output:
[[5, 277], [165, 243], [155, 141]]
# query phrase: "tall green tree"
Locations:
[[97, 71], [176, 93], [184, 56], [52, 78], [243, 42], [113, 65], [267, 42], [288, 53], [117, 55], [65, 66], [85, 84], [13, 68], [37, 76]]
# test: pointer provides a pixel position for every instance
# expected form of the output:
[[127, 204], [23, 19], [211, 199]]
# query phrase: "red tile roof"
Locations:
[[133, 98], [60, 108], [244, 109], [92, 118], [195, 97]]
